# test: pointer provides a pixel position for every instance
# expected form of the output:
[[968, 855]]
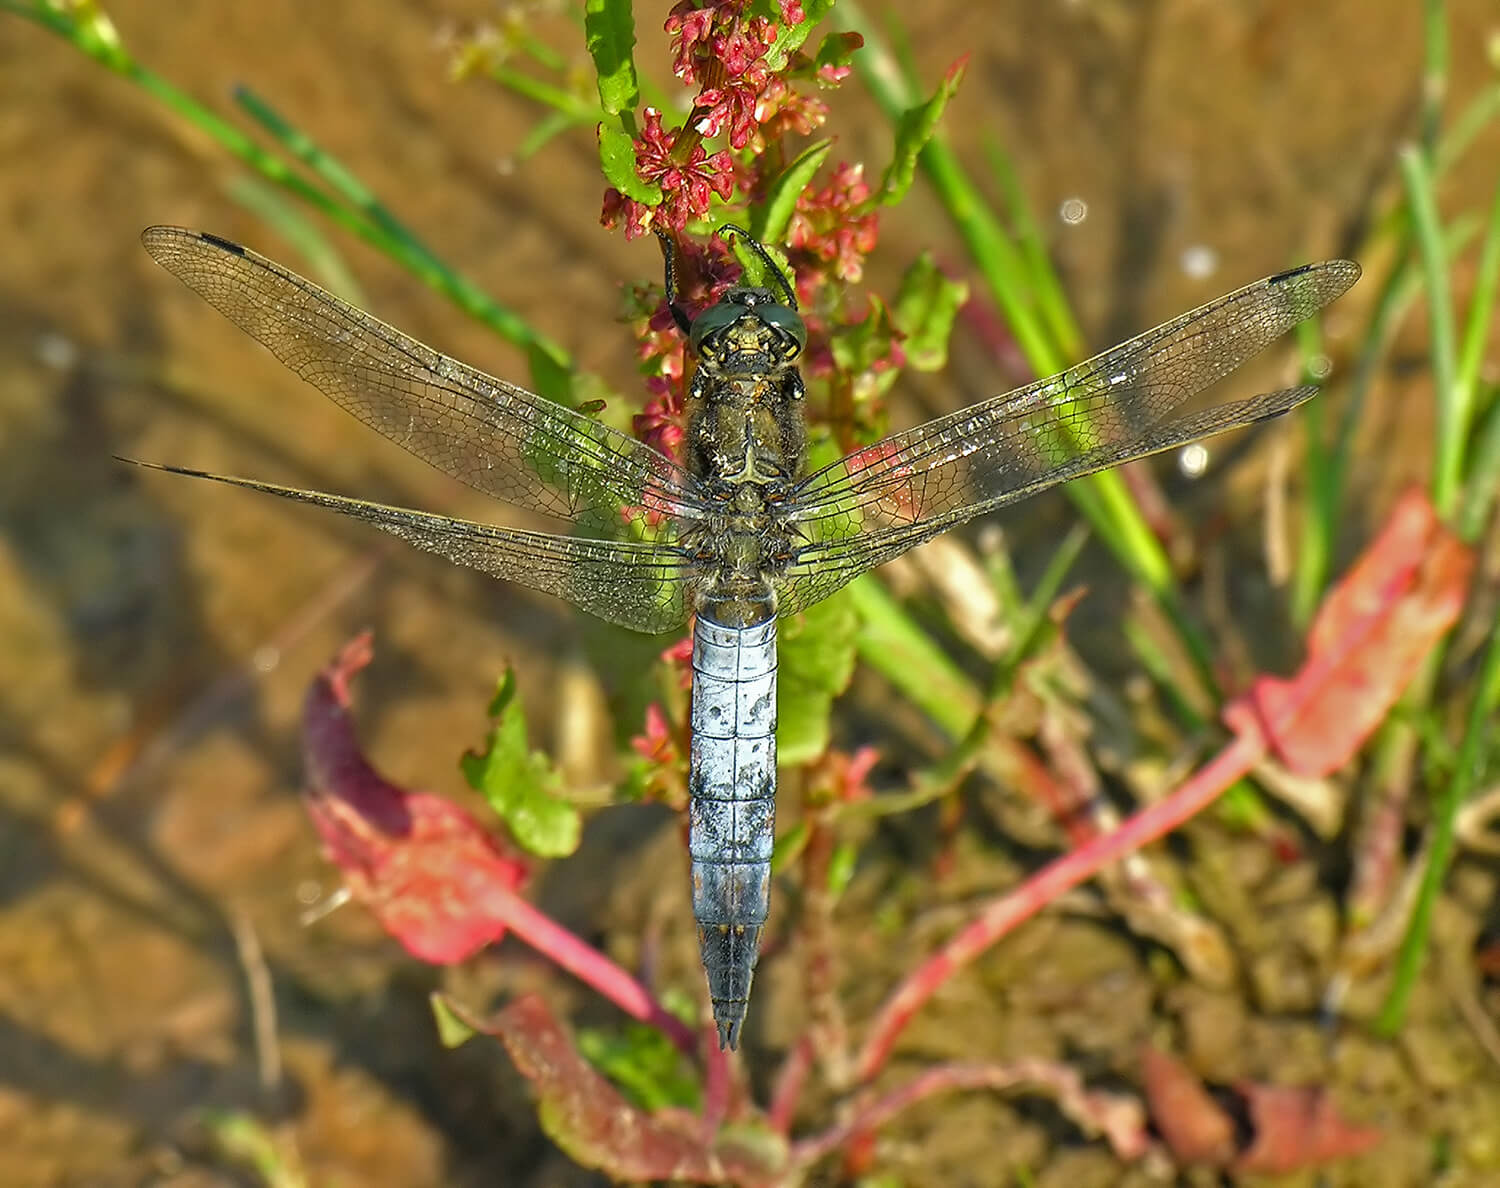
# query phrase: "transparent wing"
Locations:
[[498, 438], [1130, 401], [641, 586]]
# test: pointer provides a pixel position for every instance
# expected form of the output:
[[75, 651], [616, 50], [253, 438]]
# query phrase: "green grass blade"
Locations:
[[1051, 299], [1484, 474], [1435, 57], [1111, 510], [1452, 414], [333, 172], [1325, 480], [893, 645], [1481, 309], [1459, 788]]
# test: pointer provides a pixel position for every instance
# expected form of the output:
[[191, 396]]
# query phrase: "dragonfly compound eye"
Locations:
[[788, 323], [713, 321]]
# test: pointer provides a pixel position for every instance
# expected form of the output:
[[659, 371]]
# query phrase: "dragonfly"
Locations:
[[738, 531]]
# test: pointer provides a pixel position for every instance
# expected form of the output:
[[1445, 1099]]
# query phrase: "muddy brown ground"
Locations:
[[134, 609]]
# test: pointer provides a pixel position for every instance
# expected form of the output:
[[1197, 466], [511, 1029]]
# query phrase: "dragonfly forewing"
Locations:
[[1125, 403], [498, 438], [1120, 404]]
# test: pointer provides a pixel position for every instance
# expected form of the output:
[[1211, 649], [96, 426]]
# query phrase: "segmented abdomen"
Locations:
[[732, 810]]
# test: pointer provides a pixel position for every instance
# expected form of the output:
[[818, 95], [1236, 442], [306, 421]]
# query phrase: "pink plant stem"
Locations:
[[1121, 1119], [717, 1086], [790, 1079], [588, 965], [1061, 875]]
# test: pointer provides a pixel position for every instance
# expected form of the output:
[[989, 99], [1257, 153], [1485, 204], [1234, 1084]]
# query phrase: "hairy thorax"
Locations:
[[746, 438]]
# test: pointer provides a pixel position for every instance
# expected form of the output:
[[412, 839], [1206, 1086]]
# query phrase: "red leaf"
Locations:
[[1195, 1127], [1290, 1128], [1297, 1128], [425, 867], [589, 1119], [1369, 638]]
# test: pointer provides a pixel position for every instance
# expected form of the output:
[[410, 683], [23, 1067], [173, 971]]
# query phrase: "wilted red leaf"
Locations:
[[426, 868], [1370, 636], [589, 1119], [1290, 1128], [1196, 1129], [1297, 1128]]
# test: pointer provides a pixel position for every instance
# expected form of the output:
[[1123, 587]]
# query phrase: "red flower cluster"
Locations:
[[837, 225], [726, 52], [740, 55], [685, 185], [660, 424]]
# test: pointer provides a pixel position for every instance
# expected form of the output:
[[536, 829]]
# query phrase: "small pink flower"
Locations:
[[731, 107], [679, 658], [637, 216], [781, 111], [656, 742], [660, 424], [686, 187], [689, 27], [742, 48], [851, 772]]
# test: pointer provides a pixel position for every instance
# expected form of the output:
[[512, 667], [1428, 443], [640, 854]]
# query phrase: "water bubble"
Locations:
[[308, 892], [1193, 460], [1199, 261], [1073, 211], [56, 351]]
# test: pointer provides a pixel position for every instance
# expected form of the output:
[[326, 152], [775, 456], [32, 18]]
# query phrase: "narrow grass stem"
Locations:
[[1460, 786], [1453, 414], [1478, 325]]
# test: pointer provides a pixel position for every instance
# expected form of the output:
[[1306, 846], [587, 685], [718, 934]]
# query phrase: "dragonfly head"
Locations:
[[752, 325]]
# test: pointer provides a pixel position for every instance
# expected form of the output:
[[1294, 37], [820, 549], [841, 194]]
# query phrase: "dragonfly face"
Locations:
[[735, 533]]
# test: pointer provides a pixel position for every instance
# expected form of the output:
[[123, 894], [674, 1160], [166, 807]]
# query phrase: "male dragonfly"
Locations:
[[736, 532]]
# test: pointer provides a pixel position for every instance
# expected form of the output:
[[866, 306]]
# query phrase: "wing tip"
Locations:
[[160, 233], [1344, 272]]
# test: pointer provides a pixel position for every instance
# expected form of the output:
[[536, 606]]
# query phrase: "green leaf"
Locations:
[[754, 267], [926, 306], [609, 31], [617, 159], [863, 350], [644, 1064], [915, 128], [452, 1030], [788, 846], [242, 1138], [817, 660], [772, 217], [841, 868], [521, 785], [837, 49], [789, 38]]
